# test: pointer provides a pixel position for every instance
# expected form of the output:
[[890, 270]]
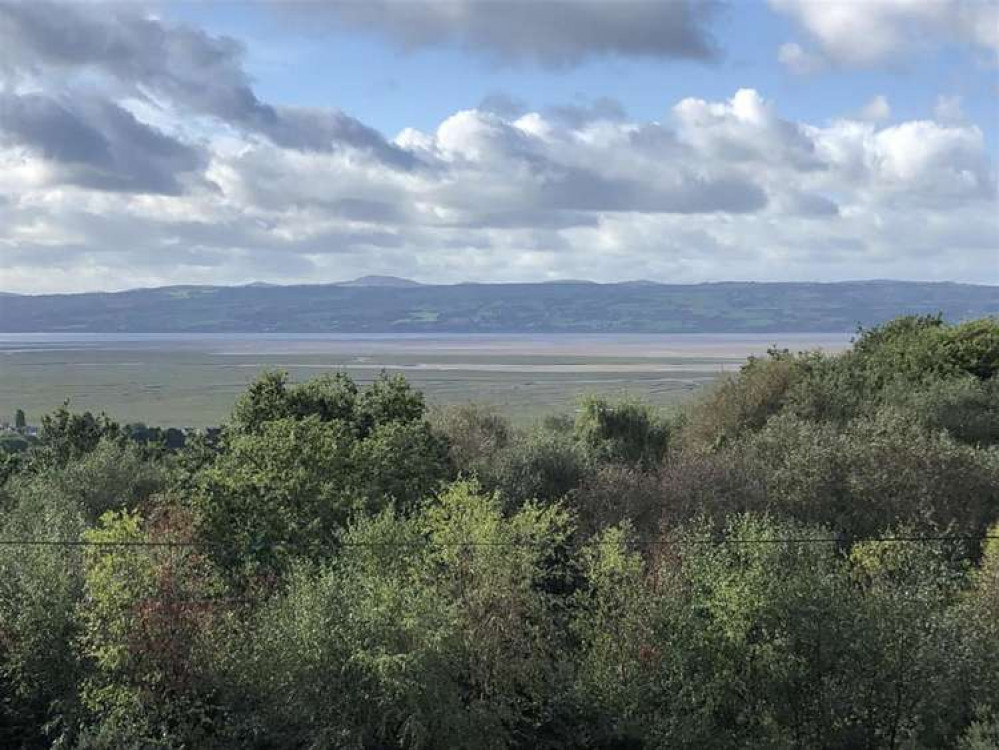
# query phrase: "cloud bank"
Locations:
[[886, 32], [123, 163]]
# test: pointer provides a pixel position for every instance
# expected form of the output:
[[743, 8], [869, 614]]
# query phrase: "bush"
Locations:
[[721, 642], [625, 432], [39, 591], [298, 579], [440, 621], [615, 494], [112, 476], [968, 409], [915, 362], [144, 617], [539, 465], [743, 404], [297, 462], [879, 471], [475, 435]]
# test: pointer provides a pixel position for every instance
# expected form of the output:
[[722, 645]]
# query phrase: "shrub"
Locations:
[[440, 621], [742, 404], [626, 432], [475, 435], [144, 617], [539, 465]]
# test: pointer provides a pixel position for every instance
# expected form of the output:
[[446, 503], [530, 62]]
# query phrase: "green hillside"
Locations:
[[581, 307]]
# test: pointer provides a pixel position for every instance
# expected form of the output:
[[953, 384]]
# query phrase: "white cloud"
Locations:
[[877, 32], [949, 109], [122, 164], [915, 163], [725, 189], [925, 155], [746, 128], [877, 109], [798, 60]]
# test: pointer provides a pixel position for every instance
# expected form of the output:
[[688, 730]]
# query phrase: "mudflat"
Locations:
[[192, 380]]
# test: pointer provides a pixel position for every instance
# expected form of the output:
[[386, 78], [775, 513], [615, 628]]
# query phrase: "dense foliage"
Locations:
[[807, 556]]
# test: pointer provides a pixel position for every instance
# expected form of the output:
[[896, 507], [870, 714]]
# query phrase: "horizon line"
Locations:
[[379, 282]]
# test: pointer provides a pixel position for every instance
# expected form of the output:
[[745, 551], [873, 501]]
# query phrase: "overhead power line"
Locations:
[[126, 544]]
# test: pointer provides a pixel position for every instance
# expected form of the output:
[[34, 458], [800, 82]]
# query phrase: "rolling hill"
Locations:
[[390, 305]]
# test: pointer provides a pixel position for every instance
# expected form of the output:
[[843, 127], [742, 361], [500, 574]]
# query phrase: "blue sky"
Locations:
[[497, 140], [393, 88]]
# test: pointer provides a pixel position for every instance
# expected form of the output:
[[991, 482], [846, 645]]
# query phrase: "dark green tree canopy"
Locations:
[[298, 461]]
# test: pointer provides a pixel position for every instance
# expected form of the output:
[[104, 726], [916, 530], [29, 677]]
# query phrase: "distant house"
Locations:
[[28, 430]]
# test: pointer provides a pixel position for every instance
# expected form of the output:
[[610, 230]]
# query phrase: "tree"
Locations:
[[20, 421], [475, 434], [443, 621], [917, 662], [145, 616], [715, 644], [67, 435], [542, 465], [296, 463], [627, 432], [271, 397], [40, 588], [306, 577]]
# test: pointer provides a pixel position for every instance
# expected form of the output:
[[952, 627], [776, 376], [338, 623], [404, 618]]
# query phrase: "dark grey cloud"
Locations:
[[310, 129], [561, 174], [554, 33], [372, 211], [52, 128], [95, 143], [199, 73], [584, 190], [187, 65]]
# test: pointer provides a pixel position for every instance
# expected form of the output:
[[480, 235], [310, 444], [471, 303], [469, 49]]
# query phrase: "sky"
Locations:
[[683, 141]]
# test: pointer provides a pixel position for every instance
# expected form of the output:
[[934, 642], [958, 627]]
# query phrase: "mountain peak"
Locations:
[[385, 281]]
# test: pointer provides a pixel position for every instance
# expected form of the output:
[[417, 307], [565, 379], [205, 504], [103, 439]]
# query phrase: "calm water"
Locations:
[[193, 379], [597, 345]]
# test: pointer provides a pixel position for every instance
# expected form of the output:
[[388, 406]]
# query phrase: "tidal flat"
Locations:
[[192, 380]]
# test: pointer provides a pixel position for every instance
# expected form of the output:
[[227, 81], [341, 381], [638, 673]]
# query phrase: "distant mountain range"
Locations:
[[384, 304], [381, 281]]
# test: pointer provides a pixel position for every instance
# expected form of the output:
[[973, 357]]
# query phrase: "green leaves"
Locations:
[[298, 462], [147, 612], [433, 630], [627, 432], [306, 578]]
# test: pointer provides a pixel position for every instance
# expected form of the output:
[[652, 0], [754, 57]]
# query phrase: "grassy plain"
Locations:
[[193, 381]]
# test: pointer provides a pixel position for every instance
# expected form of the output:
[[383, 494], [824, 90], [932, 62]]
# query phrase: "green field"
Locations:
[[193, 381]]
